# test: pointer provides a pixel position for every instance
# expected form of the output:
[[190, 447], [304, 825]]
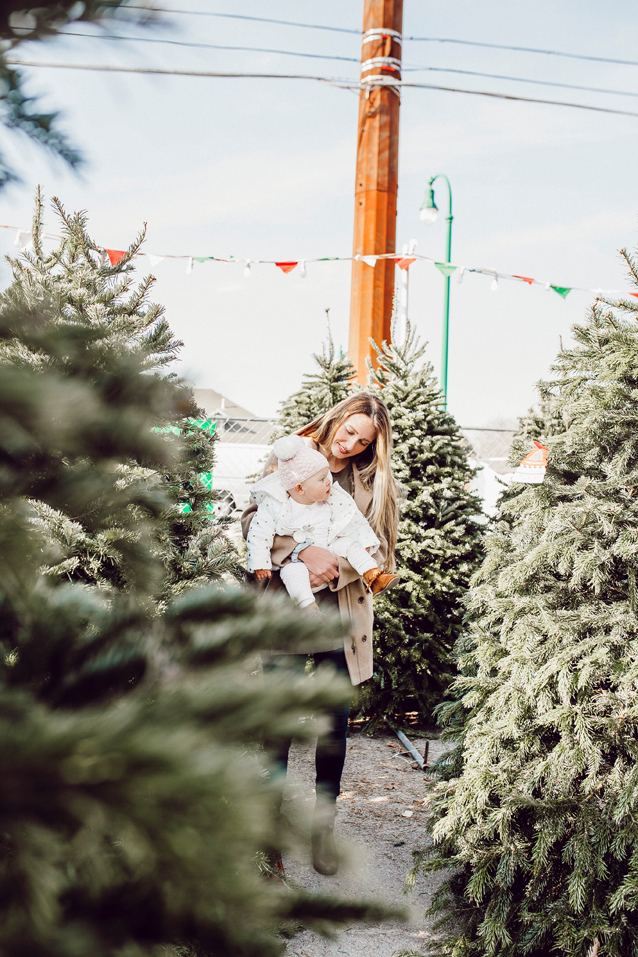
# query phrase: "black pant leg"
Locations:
[[331, 747]]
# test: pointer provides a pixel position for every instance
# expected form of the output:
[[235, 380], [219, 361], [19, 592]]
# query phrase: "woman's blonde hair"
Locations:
[[373, 464]]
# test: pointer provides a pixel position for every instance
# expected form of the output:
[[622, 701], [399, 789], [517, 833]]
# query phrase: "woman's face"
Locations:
[[355, 435]]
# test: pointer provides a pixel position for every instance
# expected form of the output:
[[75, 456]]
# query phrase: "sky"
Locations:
[[254, 168]]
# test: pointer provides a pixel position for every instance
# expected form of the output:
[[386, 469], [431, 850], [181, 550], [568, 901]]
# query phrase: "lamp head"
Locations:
[[429, 210]]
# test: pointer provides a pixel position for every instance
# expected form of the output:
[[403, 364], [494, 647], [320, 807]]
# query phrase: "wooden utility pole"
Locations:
[[377, 178]]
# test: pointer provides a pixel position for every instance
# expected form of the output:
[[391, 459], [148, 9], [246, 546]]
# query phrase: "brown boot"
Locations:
[[377, 581]]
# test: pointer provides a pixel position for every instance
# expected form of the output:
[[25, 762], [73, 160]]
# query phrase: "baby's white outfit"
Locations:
[[336, 524]]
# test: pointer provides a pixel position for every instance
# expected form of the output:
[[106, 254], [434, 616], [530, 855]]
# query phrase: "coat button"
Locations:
[[364, 638], [361, 600]]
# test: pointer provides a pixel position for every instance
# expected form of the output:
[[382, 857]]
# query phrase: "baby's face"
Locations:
[[317, 487]]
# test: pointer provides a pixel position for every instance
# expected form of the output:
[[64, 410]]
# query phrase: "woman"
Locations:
[[356, 438]]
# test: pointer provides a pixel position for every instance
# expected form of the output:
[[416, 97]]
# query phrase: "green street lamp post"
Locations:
[[428, 214]]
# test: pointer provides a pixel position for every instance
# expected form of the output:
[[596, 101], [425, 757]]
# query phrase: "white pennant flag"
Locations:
[[23, 240], [155, 260], [369, 260]]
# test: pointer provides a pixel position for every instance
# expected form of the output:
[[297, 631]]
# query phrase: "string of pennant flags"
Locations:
[[23, 240]]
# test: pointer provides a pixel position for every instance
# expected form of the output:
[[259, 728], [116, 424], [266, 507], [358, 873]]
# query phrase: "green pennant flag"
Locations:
[[562, 290], [206, 425], [202, 259], [206, 478], [446, 268]]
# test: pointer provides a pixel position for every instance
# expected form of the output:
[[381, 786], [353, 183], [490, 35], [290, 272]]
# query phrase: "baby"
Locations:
[[300, 500]]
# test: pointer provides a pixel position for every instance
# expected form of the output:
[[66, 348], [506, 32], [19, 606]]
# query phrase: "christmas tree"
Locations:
[[319, 392], [101, 299], [133, 807], [417, 623], [539, 828], [439, 541]]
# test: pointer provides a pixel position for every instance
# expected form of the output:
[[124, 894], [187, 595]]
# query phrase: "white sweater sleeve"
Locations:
[[260, 538]]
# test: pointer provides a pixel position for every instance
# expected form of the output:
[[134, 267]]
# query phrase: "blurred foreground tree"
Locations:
[[21, 23], [132, 806]]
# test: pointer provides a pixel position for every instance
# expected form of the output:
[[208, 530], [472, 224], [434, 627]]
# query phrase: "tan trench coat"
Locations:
[[355, 603]]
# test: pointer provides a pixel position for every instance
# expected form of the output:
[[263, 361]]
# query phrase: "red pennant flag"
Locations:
[[115, 255], [526, 279], [286, 267], [634, 294], [404, 263]]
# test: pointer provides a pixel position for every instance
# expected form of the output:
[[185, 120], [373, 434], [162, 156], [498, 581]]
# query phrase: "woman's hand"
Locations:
[[322, 565]]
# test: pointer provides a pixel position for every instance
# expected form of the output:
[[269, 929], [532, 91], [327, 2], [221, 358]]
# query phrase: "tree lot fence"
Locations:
[[245, 444]]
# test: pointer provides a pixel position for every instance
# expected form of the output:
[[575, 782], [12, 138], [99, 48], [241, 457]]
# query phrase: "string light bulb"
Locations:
[[247, 273], [302, 268], [494, 286], [429, 210], [460, 274]]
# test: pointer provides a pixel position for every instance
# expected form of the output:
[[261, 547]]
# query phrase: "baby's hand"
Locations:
[[262, 573]]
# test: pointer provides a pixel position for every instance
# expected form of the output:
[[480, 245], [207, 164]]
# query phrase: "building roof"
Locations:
[[234, 423], [214, 403]]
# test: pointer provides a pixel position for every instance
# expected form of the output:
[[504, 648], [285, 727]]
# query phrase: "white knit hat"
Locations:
[[297, 462]]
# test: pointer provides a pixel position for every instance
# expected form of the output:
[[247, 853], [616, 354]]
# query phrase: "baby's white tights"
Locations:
[[296, 578]]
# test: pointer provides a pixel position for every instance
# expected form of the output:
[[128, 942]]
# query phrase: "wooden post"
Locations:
[[377, 179]]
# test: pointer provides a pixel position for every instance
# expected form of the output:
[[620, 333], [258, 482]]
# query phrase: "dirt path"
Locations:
[[380, 822]]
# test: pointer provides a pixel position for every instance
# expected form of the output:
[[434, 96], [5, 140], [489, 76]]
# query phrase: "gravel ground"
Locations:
[[380, 821]]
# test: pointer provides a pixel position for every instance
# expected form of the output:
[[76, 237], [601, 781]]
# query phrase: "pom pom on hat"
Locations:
[[288, 446], [297, 461]]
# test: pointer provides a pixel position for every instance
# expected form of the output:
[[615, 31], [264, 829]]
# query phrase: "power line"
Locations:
[[522, 99], [241, 16], [343, 84], [210, 46], [346, 84], [319, 26], [406, 68], [517, 79], [503, 46]]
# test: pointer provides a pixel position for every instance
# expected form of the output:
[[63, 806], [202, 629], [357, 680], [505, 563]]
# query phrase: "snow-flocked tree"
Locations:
[[539, 827], [439, 541]]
